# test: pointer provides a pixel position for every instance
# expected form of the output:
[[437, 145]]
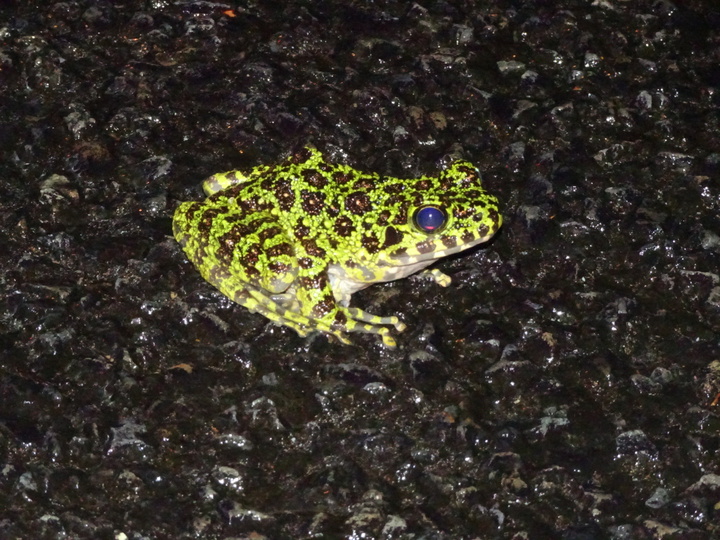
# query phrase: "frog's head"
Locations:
[[433, 217]]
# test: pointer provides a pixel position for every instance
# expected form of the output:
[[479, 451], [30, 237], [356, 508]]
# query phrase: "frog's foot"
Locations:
[[362, 321], [304, 331], [359, 315], [437, 276], [282, 310]]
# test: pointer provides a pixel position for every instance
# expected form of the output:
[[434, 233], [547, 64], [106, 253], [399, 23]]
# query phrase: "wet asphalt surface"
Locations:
[[566, 385]]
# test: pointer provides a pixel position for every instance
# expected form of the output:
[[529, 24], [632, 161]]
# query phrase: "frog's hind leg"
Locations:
[[259, 303], [281, 310], [318, 304], [283, 313]]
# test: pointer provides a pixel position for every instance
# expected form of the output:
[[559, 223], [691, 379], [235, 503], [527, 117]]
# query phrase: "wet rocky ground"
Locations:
[[566, 385]]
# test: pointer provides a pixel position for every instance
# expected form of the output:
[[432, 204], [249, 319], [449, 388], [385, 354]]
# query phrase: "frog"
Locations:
[[293, 241]]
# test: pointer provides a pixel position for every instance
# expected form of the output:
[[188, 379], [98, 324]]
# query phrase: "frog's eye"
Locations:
[[429, 219]]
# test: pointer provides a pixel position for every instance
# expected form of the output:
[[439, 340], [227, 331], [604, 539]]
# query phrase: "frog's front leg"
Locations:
[[437, 276]]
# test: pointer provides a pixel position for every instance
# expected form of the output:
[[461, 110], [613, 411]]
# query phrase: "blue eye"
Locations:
[[429, 219]]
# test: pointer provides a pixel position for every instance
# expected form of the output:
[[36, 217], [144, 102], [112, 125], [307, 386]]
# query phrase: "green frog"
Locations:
[[294, 241]]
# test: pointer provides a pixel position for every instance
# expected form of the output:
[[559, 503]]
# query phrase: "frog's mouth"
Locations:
[[424, 253], [401, 262]]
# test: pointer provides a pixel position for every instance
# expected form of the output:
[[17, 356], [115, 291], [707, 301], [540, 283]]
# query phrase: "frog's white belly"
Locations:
[[344, 286]]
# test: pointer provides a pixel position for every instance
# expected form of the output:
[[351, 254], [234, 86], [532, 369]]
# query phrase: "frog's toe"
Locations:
[[342, 338], [438, 277], [387, 338]]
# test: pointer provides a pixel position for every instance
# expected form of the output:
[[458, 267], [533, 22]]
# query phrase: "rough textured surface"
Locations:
[[566, 386]]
